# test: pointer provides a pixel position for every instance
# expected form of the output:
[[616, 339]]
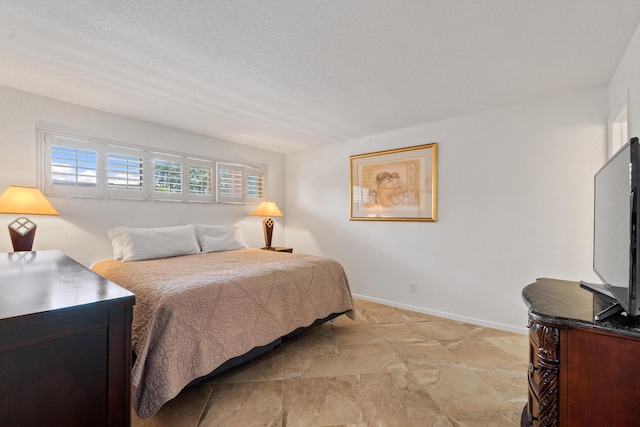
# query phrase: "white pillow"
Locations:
[[216, 238], [116, 242], [158, 242]]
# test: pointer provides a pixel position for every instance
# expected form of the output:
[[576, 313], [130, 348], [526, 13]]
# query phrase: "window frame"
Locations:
[[104, 148]]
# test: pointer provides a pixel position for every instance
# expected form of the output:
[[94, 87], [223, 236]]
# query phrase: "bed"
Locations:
[[196, 314]]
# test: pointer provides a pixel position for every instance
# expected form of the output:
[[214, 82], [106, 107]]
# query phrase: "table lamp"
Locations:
[[267, 209], [24, 201]]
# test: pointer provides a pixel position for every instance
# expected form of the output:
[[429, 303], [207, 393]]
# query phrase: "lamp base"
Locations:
[[22, 232], [267, 225]]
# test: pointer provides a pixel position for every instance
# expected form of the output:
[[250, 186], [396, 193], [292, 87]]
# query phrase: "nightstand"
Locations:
[[283, 249], [279, 249]]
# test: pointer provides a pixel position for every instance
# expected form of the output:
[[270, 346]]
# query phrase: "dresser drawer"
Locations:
[[535, 375]]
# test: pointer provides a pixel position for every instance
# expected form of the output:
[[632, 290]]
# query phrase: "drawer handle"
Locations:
[[532, 368]]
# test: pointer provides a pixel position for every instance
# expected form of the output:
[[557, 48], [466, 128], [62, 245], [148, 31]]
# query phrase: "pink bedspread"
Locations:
[[195, 312]]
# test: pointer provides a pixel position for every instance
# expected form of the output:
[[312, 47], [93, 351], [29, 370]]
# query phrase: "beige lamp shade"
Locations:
[[25, 201], [267, 208]]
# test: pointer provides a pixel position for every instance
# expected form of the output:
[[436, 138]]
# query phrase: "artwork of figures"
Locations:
[[394, 185]]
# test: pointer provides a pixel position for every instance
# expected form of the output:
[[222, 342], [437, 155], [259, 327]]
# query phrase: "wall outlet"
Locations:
[[413, 287]]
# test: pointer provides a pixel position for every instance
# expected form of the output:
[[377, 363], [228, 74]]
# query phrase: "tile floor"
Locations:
[[388, 368]]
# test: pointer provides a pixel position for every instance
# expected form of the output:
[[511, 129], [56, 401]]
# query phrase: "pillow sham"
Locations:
[[116, 242], [157, 242], [217, 238]]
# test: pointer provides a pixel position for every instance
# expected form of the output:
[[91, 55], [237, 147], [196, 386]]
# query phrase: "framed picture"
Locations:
[[394, 185]]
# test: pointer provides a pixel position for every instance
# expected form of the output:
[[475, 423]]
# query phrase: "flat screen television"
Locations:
[[616, 243]]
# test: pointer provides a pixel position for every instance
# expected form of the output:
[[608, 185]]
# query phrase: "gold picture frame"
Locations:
[[394, 185]]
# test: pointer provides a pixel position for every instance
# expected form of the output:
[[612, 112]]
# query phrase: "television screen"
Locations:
[[614, 230]]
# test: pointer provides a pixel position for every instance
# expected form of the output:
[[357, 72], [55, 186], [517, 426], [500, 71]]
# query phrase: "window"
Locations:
[[201, 180], [72, 167], [167, 177], [230, 183], [255, 183], [87, 167], [125, 172], [239, 183]]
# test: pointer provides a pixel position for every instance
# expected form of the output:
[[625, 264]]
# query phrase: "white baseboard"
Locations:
[[451, 316]]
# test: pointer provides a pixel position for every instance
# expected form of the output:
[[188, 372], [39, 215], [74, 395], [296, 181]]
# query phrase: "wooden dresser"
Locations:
[[65, 344], [581, 372]]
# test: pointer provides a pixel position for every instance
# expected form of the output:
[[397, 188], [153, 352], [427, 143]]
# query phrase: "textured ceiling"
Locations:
[[287, 75]]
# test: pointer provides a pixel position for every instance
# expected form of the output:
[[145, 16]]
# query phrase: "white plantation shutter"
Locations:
[[254, 184], [201, 180], [125, 172], [167, 177], [71, 167], [230, 183]]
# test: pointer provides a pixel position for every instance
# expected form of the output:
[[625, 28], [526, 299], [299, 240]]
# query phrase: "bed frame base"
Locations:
[[259, 351]]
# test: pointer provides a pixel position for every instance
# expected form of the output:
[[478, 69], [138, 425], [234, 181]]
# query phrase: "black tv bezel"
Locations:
[[634, 267]]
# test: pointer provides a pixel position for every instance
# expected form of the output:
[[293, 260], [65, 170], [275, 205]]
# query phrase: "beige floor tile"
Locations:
[[403, 332], [183, 411], [485, 332], [311, 402], [515, 345], [267, 367], [321, 335], [425, 355], [508, 380], [370, 359], [362, 304], [446, 332], [460, 390], [479, 352], [244, 405], [350, 334], [434, 421], [414, 316], [315, 361], [375, 313], [392, 396], [487, 419]]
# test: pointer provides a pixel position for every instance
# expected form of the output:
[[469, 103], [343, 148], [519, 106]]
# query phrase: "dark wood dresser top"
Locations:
[[44, 281], [564, 303]]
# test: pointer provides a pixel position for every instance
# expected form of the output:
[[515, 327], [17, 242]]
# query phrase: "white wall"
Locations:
[[515, 203], [625, 85], [79, 230]]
